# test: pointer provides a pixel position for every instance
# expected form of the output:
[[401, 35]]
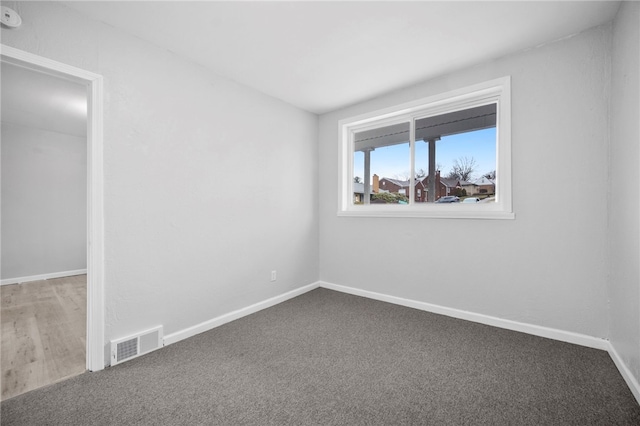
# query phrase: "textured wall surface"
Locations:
[[548, 266], [44, 202], [209, 185], [624, 216]]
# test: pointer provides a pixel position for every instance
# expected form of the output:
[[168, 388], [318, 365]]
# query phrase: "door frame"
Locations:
[[95, 183]]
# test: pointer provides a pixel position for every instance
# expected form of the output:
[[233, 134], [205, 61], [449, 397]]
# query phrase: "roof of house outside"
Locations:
[[358, 188], [400, 183], [451, 183], [484, 181]]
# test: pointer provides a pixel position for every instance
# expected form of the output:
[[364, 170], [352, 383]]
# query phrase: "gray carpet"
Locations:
[[327, 358]]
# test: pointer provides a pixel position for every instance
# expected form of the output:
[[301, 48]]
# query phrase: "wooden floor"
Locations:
[[43, 333]]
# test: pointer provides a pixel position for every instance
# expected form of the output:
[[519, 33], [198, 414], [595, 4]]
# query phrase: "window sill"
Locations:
[[433, 212]]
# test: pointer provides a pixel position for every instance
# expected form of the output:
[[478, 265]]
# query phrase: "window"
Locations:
[[408, 158]]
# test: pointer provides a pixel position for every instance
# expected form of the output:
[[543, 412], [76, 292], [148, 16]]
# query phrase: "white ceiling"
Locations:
[[35, 99], [321, 56]]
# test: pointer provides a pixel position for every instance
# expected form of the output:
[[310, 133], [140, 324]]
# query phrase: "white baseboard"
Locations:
[[19, 280], [633, 384], [550, 333], [231, 316], [536, 330]]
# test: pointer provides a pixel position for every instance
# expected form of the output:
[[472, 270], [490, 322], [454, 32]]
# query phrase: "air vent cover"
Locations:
[[136, 345]]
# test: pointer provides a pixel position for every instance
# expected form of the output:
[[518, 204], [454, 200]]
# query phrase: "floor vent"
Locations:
[[133, 346]]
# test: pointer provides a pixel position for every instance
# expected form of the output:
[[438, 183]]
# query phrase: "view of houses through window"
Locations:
[[453, 160]]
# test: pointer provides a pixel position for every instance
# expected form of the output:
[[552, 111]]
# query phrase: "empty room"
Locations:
[[320, 212]]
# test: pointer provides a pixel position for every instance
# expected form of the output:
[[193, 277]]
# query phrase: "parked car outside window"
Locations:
[[471, 200], [448, 199]]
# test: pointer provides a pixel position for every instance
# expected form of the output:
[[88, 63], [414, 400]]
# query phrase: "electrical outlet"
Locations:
[[273, 276]]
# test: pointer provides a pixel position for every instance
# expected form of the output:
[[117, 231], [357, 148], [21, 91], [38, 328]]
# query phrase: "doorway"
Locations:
[[91, 242], [44, 228]]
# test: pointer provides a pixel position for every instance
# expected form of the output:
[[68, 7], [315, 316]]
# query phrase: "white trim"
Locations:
[[95, 231], [95, 213], [633, 384], [494, 91], [536, 330], [390, 210], [20, 280], [232, 316]]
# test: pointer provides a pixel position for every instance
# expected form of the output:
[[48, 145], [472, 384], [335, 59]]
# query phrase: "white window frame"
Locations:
[[495, 91]]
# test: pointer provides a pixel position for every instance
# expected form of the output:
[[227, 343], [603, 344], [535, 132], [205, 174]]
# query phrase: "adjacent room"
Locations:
[[320, 212], [44, 229]]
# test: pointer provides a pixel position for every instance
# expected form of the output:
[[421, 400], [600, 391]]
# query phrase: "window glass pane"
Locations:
[[453, 158], [381, 165], [463, 146]]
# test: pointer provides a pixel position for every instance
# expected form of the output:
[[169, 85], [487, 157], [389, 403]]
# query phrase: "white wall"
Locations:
[[209, 185], [44, 202], [624, 288], [548, 266]]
